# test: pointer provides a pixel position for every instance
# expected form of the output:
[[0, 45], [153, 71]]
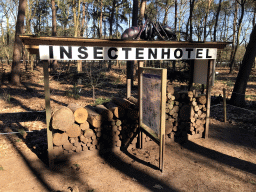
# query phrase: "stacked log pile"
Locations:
[[172, 112], [185, 114], [71, 130], [100, 127], [115, 124]]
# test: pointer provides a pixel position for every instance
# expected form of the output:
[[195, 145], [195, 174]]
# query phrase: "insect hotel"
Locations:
[[161, 111]]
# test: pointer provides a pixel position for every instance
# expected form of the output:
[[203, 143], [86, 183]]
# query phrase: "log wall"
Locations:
[[115, 124]]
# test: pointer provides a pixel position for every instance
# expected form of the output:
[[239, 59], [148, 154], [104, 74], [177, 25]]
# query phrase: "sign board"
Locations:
[[152, 100], [50, 52]]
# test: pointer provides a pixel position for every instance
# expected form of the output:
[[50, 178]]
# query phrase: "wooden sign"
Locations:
[[152, 93]]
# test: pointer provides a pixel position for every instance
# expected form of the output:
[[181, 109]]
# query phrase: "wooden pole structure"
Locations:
[[224, 105], [191, 74], [162, 129], [48, 113], [129, 88], [140, 136], [208, 96]]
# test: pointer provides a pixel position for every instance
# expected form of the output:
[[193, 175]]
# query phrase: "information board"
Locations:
[[152, 99]]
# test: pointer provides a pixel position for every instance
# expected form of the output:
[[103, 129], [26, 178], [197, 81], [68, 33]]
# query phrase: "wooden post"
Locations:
[[48, 113], [162, 129], [79, 66], [141, 135], [191, 74], [129, 88], [224, 105], [31, 62], [208, 97]]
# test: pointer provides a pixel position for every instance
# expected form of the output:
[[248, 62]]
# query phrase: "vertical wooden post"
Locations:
[[31, 63], [79, 66], [48, 113], [129, 88], [191, 74], [140, 136], [162, 126], [224, 105], [129, 75], [208, 97]]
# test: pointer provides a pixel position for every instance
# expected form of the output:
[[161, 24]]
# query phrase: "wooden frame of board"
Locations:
[[152, 99]]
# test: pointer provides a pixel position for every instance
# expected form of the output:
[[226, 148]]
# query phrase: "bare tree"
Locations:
[[206, 17], [238, 33], [192, 2], [216, 21]]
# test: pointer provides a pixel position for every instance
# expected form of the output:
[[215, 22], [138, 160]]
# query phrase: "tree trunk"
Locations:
[[234, 36], [253, 23], [54, 23], [238, 36], [54, 32], [142, 11], [111, 19], [238, 95], [17, 50], [205, 19], [101, 16], [83, 20], [130, 64], [7, 30], [166, 12], [191, 18], [176, 16], [216, 21]]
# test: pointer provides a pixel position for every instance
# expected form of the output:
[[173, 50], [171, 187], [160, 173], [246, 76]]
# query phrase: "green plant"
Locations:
[[229, 83], [18, 140], [250, 96], [74, 92], [76, 165], [117, 81], [22, 131], [101, 100], [1, 168], [6, 97], [252, 182]]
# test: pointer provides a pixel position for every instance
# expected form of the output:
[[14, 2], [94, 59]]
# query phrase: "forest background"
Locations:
[[201, 20]]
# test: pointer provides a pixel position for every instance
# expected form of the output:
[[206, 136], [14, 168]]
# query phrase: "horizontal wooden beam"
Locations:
[[32, 43]]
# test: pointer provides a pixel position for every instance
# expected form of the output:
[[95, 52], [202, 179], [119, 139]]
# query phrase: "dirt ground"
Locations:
[[226, 161]]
